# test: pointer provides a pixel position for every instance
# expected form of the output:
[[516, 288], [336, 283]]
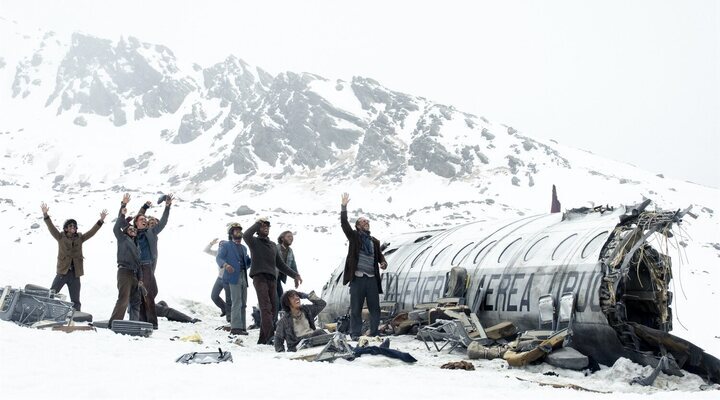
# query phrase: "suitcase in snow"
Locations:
[[133, 328]]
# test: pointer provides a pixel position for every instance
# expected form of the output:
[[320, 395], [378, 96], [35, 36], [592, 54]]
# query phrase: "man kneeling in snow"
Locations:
[[298, 322]]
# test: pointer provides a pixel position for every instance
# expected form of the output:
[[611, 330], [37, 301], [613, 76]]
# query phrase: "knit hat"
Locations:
[[233, 225]]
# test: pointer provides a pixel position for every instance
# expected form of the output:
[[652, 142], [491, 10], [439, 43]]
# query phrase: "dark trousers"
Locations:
[[362, 289], [224, 306], [126, 282], [266, 290], [136, 299], [73, 284], [147, 307]]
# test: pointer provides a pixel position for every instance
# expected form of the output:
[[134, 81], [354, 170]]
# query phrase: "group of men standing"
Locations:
[[266, 261], [267, 264], [137, 255]]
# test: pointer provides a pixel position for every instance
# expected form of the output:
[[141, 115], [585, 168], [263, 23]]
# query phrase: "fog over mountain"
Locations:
[[255, 130]]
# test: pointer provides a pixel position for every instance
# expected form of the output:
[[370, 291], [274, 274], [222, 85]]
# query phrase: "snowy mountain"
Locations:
[[86, 119]]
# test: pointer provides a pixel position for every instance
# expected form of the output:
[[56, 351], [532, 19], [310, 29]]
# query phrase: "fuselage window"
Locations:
[[563, 246], [438, 254], [486, 247], [421, 238], [460, 254], [509, 250], [390, 251], [418, 256], [535, 247], [594, 244]]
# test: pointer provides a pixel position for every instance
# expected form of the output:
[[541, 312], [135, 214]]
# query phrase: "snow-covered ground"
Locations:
[[102, 364]]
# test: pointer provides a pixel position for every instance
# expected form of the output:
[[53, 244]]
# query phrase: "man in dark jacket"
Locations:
[[69, 266], [232, 256], [147, 239], [362, 271], [299, 320], [128, 261], [266, 262], [148, 231]]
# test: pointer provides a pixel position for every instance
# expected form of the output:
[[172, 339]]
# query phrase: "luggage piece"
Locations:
[[567, 357], [79, 316], [319, 340], [205, 358], [104, 324], [27, 308], [501, 330], [132, 328]]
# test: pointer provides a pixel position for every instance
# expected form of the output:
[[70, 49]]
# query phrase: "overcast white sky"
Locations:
[[636, 81]]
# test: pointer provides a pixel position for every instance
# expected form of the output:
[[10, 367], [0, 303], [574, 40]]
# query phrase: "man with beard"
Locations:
[[362, 271], [232, 256], [128, 261], [70, 258], [266, 262], [147, 242]]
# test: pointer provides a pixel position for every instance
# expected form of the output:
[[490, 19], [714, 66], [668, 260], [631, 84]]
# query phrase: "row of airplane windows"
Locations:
[[560, 250]]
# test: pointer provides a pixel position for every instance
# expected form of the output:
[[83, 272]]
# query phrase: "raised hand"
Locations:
[[126, 198], [345, 199], [168, 199], [103, 214], [44, 207], [214, 241], [148, 204]]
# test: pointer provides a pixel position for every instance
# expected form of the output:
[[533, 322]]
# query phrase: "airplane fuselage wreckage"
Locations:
[[608, 268]]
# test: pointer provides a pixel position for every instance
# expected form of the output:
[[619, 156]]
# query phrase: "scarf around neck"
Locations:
[[366, 243]]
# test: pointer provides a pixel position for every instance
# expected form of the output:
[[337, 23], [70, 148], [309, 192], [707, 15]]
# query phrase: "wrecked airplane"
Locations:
[[608, 266]]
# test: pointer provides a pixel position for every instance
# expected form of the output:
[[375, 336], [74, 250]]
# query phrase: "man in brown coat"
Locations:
[[362, 271], [70, 256]]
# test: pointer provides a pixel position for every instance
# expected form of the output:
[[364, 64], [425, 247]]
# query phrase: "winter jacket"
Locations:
[[290, 262], [151, 233], [128, 253], [265, 255], [70, 248], [354, 244], [234, 254], [284, 331]]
